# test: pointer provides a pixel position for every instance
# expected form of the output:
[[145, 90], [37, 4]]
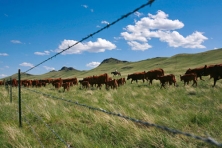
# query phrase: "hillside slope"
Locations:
[[176, 64]]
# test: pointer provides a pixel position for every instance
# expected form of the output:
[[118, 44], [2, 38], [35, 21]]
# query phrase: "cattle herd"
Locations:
[[214, 71]]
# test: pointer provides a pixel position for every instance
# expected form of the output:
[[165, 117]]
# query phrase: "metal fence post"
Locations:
[[19, 99], [11, 90]]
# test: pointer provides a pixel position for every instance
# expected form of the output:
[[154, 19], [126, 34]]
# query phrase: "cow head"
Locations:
[[128, 77]]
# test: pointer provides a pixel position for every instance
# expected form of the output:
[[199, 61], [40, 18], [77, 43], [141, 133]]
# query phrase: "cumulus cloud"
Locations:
[[159, 26], [101, 45], [138, 14], [3, 54], [16, 42], [138, 46], [93, 64], [3, 75], [49, 68], [42, 53], [104, 22], [25, 64], [85, 6]]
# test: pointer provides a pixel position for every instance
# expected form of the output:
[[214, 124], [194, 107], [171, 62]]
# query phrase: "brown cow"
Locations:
[[59, 80], [124, 81], [85, 84], [57, 85], [112, 83], [121, 81], [154, 74], [167, 79], [101, 79], [215, 72], [136, 76], [90, 79], [14, 83], [35, 83], [26, 83], [189, 77], [72, 81], [66, 86], [198, 71], [1, 83]]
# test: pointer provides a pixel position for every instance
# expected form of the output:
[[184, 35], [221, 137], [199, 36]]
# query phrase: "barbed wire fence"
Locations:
[[48, 126], [33, 131], [207, 139]]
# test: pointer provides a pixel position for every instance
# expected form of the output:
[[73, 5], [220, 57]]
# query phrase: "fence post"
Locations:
[[19, 99], [11, 90]]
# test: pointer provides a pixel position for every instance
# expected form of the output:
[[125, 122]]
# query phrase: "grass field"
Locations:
[[195, 110]]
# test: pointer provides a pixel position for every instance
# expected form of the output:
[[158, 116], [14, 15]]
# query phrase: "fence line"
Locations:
[[209, 140], [51, 129], [33, 131], [92, 34]]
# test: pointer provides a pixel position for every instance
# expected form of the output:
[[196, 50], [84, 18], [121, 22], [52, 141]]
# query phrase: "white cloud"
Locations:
[[42, 53], [138, 46], [49, 68], [93, 64], [174, 39], [16, 42], [138, 14], [99, 46], [26, 64], [91, 10], [104, 22], [3, 54], [6, 15], [3, 75], [85, 6], [6, 66], [159, 26]]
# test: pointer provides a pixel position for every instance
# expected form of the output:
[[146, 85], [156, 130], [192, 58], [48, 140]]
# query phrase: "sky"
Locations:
[[33, 31]]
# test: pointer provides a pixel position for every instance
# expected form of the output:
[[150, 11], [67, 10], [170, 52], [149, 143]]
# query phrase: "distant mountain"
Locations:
[[53, 71], [68, 69], [112, 60]]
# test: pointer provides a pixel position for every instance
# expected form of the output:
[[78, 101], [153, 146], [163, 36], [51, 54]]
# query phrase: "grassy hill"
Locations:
[[176, 64], [78, 117]]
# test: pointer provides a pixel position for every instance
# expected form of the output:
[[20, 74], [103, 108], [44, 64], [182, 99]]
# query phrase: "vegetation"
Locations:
[[196, 110]]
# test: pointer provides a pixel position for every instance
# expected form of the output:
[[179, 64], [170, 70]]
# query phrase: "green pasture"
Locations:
[[195, 110]]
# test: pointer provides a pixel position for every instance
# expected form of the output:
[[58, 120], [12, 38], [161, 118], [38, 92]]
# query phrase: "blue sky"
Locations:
[[33, 31]]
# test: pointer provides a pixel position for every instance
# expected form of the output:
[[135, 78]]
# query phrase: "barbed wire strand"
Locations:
[[33, 131], [209, 140], [92, 34], [51, 129]]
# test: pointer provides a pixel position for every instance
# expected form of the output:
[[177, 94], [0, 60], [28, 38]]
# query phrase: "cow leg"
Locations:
[[201, 78], [150, 82], [194, 82], [215, 80]]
